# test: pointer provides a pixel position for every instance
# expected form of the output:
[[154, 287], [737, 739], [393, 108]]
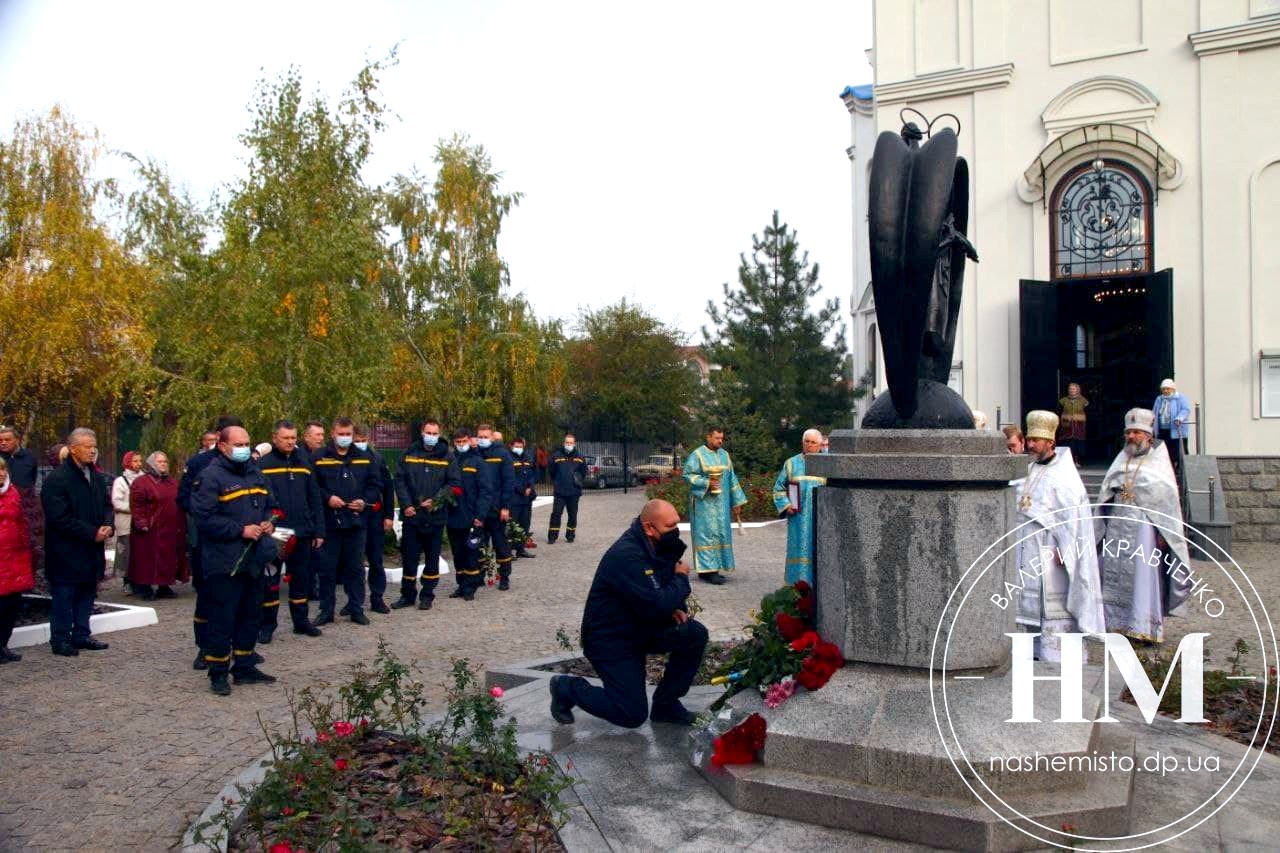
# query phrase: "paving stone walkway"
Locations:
[[121, 749]]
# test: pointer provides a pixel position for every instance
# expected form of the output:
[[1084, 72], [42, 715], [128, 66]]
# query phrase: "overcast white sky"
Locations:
[[650, 140]]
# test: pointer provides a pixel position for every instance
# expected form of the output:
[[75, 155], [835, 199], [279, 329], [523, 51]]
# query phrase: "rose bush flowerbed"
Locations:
[[758, 488], [374, 776]]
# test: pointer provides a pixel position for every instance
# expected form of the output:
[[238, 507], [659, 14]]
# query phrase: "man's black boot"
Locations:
[[251, 675], [307, 629], [65, 650], [264, 635], [218, 683], [712, 578], [379, 606], [561, 704], [504, 583], [458, 593], [672, 712], [425, 604], [323, 619], [401, 602]]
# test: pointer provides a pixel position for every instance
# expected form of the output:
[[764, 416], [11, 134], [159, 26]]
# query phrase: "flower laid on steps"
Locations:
[[740, 744]]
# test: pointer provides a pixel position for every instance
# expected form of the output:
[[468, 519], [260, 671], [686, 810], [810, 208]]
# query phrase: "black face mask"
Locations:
[[669, 543]]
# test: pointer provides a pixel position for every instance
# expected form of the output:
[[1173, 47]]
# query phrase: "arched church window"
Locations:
[[1101, 221]]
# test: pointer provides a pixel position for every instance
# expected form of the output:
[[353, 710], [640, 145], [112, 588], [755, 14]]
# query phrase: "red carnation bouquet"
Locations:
[[741, 744], [285, 536]]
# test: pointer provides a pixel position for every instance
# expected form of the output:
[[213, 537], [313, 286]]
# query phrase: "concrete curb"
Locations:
[[121, 618]]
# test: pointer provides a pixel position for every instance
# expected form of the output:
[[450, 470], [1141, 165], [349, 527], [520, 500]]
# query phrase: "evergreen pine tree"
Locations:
[[787, 360]]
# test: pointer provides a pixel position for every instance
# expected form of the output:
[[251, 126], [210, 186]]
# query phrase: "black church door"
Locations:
[[1112, 336]]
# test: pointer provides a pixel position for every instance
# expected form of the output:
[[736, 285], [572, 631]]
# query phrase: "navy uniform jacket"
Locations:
[[463, 512], [229, 496], [22, 468], [190, 476], [350, 477], [75, 506], [497, 480], [567, 472], [292, 481], [388, 498], [423, 473], [632, 597], [525, 476]]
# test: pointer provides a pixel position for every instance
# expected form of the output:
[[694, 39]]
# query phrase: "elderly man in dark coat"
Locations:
[[78, 520]]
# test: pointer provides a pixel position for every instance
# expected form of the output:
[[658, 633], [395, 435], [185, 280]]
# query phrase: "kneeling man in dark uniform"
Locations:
[[637, 607]]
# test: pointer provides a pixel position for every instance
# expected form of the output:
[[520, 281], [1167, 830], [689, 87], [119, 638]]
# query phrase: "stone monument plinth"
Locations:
[[903, 516]]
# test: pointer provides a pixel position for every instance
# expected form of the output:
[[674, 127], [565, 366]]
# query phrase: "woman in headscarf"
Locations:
[[130, 470], [16, 576], [157, 550]]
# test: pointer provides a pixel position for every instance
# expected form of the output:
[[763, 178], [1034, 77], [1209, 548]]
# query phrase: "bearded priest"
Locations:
[[1144, 561], [1061, 591]]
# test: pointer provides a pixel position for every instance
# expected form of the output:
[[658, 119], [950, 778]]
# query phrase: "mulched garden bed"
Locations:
[[399, 804], [717, 654], [36, 611]]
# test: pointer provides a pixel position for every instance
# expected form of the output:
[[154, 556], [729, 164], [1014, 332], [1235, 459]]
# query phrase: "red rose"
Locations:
[[340, 764], [286, 811], [802, 587], [457, 491], [789, 626], [278, 514], [377, 506], [342, 728], [806, 640], [281, 847], [805, 604]]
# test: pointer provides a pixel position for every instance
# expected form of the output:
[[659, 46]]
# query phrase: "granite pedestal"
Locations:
[[903, 516]]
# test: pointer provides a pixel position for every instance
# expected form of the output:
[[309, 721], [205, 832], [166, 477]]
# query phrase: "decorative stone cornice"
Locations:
[[1264, 32], [944, 84]]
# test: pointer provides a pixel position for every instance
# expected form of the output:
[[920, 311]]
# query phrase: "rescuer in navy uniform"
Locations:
[[493, 504], [568, 469], [232, 508], [350, 486], [462, 515], [427, 471], [525, 476], [381, 519], [637, 607], [186, 487], [292, 481]]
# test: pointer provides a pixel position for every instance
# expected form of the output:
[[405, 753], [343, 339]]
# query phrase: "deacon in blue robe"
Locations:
[[799, 521], [714, 496]]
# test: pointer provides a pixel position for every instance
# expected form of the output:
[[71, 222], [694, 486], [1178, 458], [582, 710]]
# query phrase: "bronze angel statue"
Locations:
[[919, 213]]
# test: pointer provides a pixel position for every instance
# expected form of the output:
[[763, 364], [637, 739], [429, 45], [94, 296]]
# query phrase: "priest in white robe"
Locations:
[[1143, 548], [1061, 590]]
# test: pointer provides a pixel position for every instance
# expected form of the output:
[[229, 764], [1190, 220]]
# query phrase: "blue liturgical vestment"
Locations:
[[800, 525], [710, 515]]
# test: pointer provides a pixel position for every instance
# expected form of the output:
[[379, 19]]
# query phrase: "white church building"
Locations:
[[1125, 167]]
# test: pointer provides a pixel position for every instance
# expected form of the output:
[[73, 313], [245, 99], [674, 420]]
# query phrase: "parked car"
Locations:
[[657, 468], [605, 471]]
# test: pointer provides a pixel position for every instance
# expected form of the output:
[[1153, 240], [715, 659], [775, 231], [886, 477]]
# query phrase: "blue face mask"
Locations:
[[430, 440], [343, 441], [462, 448], [518, 451], [484, 443], [568, 448], [825, 449], [241, 454], [363, 445]]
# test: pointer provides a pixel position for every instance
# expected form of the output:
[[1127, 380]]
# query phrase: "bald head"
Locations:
[[230, 438]]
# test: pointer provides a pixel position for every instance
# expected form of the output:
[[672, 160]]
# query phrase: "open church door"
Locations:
[[1159, 328], [1038, 312]]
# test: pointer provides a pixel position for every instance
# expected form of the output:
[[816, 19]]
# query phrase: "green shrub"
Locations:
[[758, 488]]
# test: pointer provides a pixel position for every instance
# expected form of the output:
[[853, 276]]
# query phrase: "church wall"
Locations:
[[1206, 222]]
